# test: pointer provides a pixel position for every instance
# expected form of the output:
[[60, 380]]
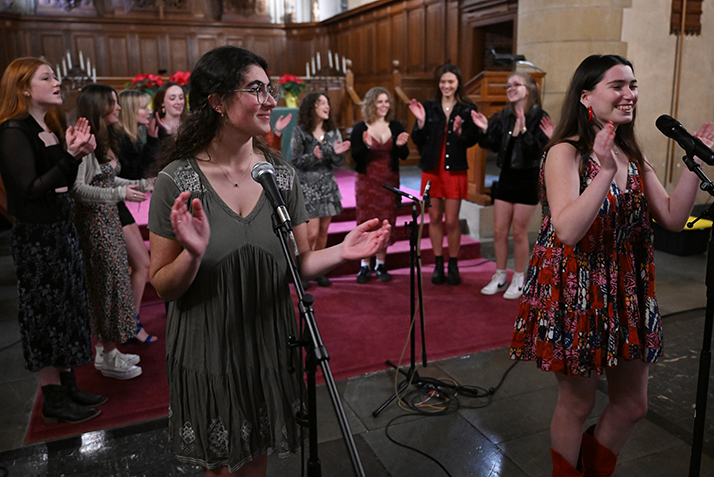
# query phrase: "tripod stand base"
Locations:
[[412, 378]]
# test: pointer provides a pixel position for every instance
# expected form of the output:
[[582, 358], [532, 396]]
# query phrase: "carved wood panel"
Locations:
[[179, 59], [117, 56], [415, 47]]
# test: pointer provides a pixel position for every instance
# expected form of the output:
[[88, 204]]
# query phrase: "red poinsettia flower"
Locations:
[[180, 77], [291, 84]]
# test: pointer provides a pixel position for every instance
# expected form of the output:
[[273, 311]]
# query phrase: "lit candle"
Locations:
[[344, 65], [318, 62], [312, 63], [307, 69], [337, 62], [64, 66], [69, 60], [89, 67], [329, 58], [59, 73], [81, 61], [94, 75]]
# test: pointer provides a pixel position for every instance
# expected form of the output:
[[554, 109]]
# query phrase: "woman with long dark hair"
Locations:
[[170, 107], [443, 132], [234, 393], [317, 150], [38, 171], [589, 305], [518, 135], [98, 190]]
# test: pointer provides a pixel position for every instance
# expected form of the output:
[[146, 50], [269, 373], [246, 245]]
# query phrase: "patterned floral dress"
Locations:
[[586, 306], [111, 302]]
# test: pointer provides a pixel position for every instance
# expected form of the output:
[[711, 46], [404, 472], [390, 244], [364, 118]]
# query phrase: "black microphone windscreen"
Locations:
[[665, 123]]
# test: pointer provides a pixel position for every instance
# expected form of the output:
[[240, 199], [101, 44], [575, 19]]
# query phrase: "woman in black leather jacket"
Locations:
[[518, 135], [443, 132]]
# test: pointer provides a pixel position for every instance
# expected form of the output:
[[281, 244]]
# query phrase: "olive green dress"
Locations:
[[227, 356]]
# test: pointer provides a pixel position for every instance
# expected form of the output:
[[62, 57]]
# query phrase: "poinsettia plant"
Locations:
[[180, 77], [147, 83], [291, 84]]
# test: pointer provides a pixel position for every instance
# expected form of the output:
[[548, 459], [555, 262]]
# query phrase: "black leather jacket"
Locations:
[[428, 139], [520, 152]]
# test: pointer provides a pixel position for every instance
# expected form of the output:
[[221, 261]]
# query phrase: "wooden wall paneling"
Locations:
[[205, 43], [263, 46], [118, 55], [436, 29], [148, 55], [178, 55], [52, 47], [86, 42], [452, 33], [382, 46], [368, 51], [399, 38], [416, 31]]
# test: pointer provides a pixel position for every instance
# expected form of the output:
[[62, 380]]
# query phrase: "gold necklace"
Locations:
[[235, 184]]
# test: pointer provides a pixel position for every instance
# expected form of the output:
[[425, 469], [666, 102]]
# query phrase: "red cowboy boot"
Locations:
[[598, 460], [561, 467]]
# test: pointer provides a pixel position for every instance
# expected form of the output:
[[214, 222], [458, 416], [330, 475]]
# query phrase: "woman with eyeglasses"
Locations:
[[518, 135], [234, 393], [443, 132], [317, 150]]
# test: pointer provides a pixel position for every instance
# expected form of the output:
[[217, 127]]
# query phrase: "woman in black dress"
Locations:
[[37, 172]]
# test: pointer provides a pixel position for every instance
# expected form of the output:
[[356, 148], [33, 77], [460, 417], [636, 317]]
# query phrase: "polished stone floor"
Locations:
[[505, 434]]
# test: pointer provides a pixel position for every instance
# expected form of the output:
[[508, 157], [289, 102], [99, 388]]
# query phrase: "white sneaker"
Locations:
[[114, 366], [128, 357], [497, 284], [515, 289]]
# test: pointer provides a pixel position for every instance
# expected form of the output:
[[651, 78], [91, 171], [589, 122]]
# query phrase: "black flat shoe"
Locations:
[[364, 275], [382, 274], [323, 281]]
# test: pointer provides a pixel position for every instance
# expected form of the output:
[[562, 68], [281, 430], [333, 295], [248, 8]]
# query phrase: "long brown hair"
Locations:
[[14, 104], [574, 116], [157, 103], [95, 102]]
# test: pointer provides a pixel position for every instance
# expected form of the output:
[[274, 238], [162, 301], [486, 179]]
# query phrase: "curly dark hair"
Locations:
[[94, 103], [574, 116], [306, 114], [219, 72]]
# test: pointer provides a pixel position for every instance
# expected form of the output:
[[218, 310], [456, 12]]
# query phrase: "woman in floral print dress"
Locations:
[[589, 304]]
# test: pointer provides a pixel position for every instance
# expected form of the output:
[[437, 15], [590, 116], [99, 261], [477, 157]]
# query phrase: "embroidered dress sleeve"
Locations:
[[329, 157], [303, 150], [88, 193]]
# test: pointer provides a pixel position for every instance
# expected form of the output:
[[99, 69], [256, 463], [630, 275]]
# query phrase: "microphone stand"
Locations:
[[705, 355], [315, 354], [412, 376]]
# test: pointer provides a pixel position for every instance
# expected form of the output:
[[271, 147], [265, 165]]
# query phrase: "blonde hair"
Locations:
[[369, 105], [533, 91], [14, 103], [131, 101]]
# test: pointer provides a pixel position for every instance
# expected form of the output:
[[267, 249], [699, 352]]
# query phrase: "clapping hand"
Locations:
[[341, 147], [133, 194], [402, 138], [458, 122], [547, 126], [602, 147], [361, 242], [282, 123], [367, 139], [152, 129], [192, 230], [80, 140], [418, 111], [479, 120]]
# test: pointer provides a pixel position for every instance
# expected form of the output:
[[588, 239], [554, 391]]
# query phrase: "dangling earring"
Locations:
[[590, 113], [163, 110]]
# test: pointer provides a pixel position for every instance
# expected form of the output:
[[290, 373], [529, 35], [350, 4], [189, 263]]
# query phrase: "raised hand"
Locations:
[[402, 138], [602, 147], [547, 126], [360, 242], [79, 138], [479, 120], [192, 230], [706, 134], [367, 139], [418, 111], [282, 123], [134, 195], [164, 125], [520, 122], [152, 129], [318, 152], [341, 147]]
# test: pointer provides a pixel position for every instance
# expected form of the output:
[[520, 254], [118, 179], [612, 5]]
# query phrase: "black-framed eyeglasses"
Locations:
[[262, 92]]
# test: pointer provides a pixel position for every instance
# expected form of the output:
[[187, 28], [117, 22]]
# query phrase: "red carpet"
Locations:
[[140, 399]]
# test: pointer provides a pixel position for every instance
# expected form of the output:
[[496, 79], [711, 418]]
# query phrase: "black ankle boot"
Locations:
[[69, 381], [59, 407], [454, 278], [438, 277]]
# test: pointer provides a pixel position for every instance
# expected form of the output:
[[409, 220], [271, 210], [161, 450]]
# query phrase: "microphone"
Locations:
[[400, 192], [264, 174], [692, 145]]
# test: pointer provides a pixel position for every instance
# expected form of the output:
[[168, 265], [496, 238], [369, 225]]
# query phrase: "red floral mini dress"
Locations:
[[586, 306]]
